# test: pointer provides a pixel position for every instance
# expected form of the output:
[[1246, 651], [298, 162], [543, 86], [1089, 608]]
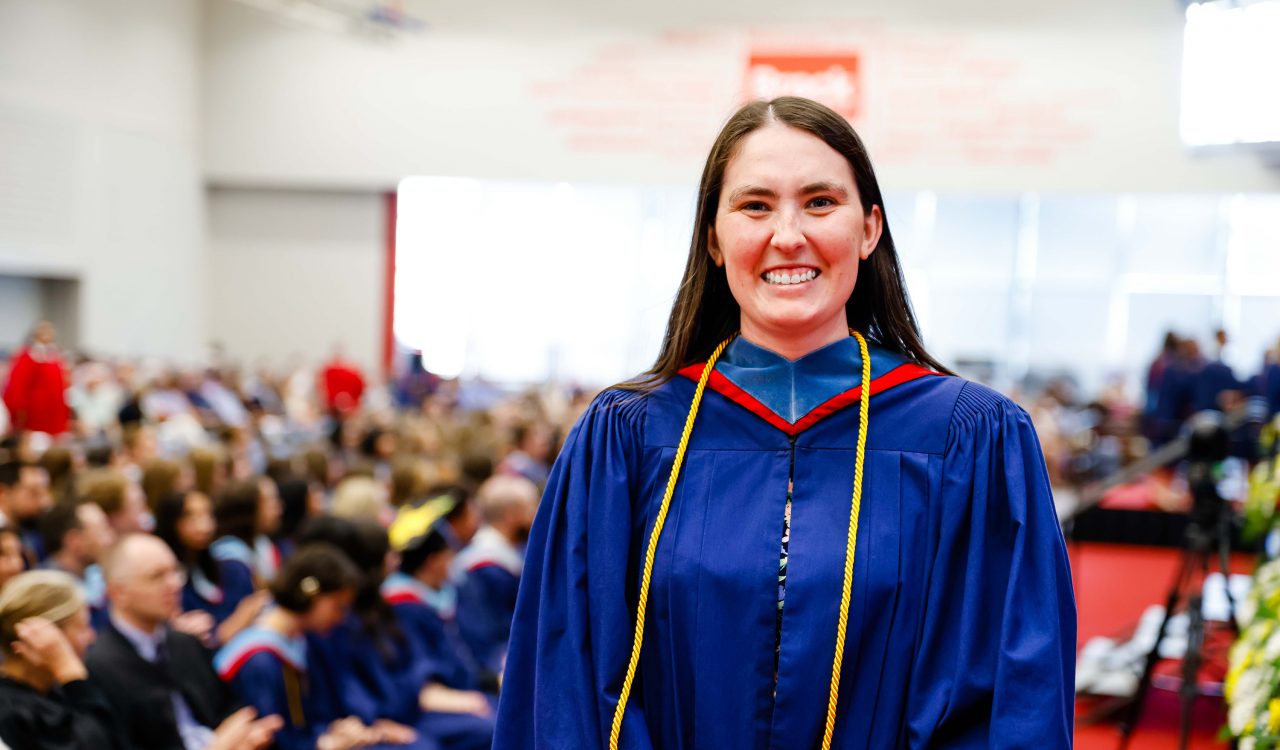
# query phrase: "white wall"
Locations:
[[99, 164], [1041, 95], [294, 272]]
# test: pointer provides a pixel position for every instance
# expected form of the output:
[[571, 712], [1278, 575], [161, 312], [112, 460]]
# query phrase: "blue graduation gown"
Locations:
[[235, 583], [429, 620], [962, 624], [265, 668], [490, 569]]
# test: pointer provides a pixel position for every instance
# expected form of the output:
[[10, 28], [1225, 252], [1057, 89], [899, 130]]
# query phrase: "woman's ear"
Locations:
[[872, 228], [713, 248]]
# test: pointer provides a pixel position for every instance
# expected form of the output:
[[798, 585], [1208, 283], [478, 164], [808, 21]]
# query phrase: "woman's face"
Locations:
[[11, 561], [79, 631], [196, 527], [269, 508], [789, 232]]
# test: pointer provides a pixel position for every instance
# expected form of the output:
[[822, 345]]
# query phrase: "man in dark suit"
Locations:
[[160, 682]]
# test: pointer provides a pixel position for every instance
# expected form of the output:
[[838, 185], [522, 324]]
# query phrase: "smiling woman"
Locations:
[[929, 607]]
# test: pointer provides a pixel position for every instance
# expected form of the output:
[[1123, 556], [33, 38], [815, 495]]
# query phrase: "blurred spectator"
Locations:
[[160, 477], [491, 566], [531, 457], [341, 384], [1216, 385], [119, 497], [24, 495], [248, 513], [360, 497], [160, 682], [48, 701], [35, 393], [223, 589], [75, 537], [425, 600], [96, 399], [268, 663], [60, 462]]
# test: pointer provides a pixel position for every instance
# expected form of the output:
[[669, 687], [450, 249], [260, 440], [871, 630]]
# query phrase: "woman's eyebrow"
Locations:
[[751, 190], [825, 187]]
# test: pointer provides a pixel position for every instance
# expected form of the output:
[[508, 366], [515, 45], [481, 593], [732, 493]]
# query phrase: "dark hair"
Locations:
[[56, 523], [236, 510], [169, 511], [315, 569], [705, 312], [365, 543], [422, 549], [11, 472], [294, 492], [461, 494]]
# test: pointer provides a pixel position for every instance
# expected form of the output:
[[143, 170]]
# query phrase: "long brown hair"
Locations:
[[705, 312]]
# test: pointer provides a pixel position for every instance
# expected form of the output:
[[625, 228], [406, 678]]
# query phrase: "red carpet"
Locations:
[[1114, 584]]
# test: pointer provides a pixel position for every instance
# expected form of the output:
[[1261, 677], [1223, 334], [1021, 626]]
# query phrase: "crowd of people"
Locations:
[[195, 559]]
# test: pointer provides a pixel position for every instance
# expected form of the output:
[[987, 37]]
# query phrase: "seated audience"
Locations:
[[160, 682], [268, 663], [385, 673]]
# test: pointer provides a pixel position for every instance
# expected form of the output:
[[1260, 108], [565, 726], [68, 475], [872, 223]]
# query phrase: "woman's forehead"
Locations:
[[782, 156]]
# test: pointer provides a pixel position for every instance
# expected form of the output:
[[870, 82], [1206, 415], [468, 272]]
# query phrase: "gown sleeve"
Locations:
[[995, 663], [573, 626]]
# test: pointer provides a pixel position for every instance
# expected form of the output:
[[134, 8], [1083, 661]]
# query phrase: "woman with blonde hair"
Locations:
[[48, 701]]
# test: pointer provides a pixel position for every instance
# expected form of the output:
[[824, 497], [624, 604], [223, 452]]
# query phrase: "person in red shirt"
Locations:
[[341, 384], [35, 393]]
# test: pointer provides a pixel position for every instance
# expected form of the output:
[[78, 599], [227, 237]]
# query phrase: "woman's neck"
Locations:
[[283, 622], [793, 347], [20, 670]]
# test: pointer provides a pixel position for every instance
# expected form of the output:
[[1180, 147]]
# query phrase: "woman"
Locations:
[[48, 702], [858, 551], [248, 513], [224, 589], [269, 664]]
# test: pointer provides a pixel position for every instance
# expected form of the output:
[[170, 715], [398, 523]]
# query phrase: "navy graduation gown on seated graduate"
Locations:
[[290, 678], [235, 583], [962, 621]]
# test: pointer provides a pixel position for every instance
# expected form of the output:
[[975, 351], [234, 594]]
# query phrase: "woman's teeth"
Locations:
[[782, 277]]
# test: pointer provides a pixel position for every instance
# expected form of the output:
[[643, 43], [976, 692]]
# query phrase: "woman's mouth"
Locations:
[[786, 277]]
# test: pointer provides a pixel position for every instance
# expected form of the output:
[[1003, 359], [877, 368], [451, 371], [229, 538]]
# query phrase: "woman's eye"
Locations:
[[754, 206], [821, 202]]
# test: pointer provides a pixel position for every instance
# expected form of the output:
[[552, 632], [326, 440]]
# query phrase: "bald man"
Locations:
[[491, 565], [161, 683]]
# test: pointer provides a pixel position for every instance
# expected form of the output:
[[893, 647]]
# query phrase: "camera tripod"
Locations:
[[1209, 532]]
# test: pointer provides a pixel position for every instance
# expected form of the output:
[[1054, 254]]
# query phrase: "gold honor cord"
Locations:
[[651, 551], [864, 410], [621, 708]]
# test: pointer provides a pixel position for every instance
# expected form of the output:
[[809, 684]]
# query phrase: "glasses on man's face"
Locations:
[[165, 575]]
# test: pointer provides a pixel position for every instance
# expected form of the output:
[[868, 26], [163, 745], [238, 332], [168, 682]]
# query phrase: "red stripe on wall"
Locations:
[[389, 287]]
